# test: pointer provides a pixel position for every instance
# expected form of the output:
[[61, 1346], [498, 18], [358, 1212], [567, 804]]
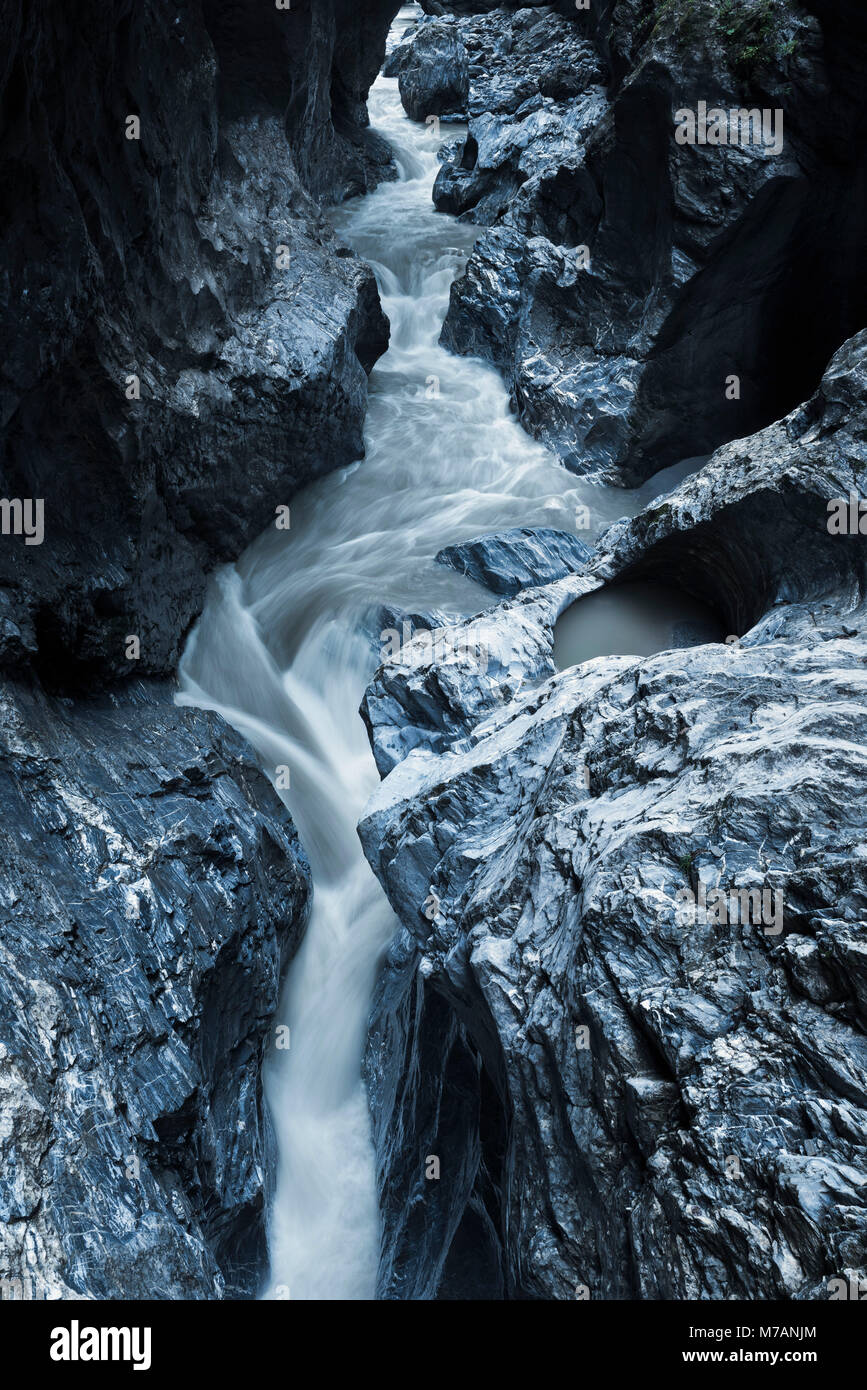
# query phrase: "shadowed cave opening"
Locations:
[[635, 618], [474, 1267], [715, 580]]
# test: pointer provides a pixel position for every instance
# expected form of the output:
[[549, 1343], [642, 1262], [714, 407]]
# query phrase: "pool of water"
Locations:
[[636, 618]]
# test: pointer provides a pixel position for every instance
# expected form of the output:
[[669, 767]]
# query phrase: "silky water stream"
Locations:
[[288, 641]]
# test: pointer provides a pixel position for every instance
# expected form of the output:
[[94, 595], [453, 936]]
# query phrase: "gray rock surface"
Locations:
[[625, 1098], [509, 561], [433, 76], [251, 361], [153, 889], [622, 365]]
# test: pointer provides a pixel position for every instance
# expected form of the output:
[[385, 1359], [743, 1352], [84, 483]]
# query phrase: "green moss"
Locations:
[[754, 33], [682, 12]]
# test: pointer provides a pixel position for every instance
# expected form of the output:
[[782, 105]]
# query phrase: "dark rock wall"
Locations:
[[705, 262], [312, 65], [158, 258], [152, 883]]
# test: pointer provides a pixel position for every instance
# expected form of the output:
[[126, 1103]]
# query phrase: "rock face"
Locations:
[[620, 355], [185, 343], [627, 1091], [476, 7], [434, 77], [509, 561], [194, 343], [153, 890]]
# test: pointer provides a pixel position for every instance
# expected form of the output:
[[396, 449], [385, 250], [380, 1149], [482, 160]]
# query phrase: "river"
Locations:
[[289, 639]]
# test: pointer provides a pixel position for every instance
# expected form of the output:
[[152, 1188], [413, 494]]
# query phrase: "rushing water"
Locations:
[[282, 651]]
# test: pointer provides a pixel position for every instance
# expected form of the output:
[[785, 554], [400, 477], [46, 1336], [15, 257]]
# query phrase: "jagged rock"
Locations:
[[510, 57], [481, 175], [534, 53], [623, 365], [153, 890], [481, 7], [250, 360], [185, 343], [513, 560], [433, 77], [622, 1096]]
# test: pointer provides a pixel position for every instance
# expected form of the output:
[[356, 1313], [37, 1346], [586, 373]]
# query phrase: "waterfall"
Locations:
[[288, 640]]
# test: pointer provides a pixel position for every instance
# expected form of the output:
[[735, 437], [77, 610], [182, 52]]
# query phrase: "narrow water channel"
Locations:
[[288, 641]]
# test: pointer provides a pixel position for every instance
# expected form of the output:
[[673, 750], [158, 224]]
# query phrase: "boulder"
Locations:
[[433, 78], [631, 1097]]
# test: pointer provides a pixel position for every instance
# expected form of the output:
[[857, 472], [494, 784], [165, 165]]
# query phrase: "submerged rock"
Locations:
[[630, 1095]]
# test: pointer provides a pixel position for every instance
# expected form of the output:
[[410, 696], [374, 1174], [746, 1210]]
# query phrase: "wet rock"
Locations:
[[509, 561], [624, 1097], [680, 324], [195, 345], [154, 889], [433, 76], [481, 176]]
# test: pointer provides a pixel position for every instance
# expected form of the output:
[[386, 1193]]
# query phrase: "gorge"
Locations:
[[469, 890]]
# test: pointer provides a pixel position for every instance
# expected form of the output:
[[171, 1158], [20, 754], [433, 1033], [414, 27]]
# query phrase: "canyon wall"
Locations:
[[626, 278], [185, 343], [627, 1098]]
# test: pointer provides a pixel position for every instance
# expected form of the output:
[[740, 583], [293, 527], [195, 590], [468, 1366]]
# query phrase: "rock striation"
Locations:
[[185, 342], [153, 891], [626, 279], [508, 561], [630, 1099]]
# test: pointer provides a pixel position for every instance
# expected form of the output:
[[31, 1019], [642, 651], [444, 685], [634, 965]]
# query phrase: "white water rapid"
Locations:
[[281, 652]]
